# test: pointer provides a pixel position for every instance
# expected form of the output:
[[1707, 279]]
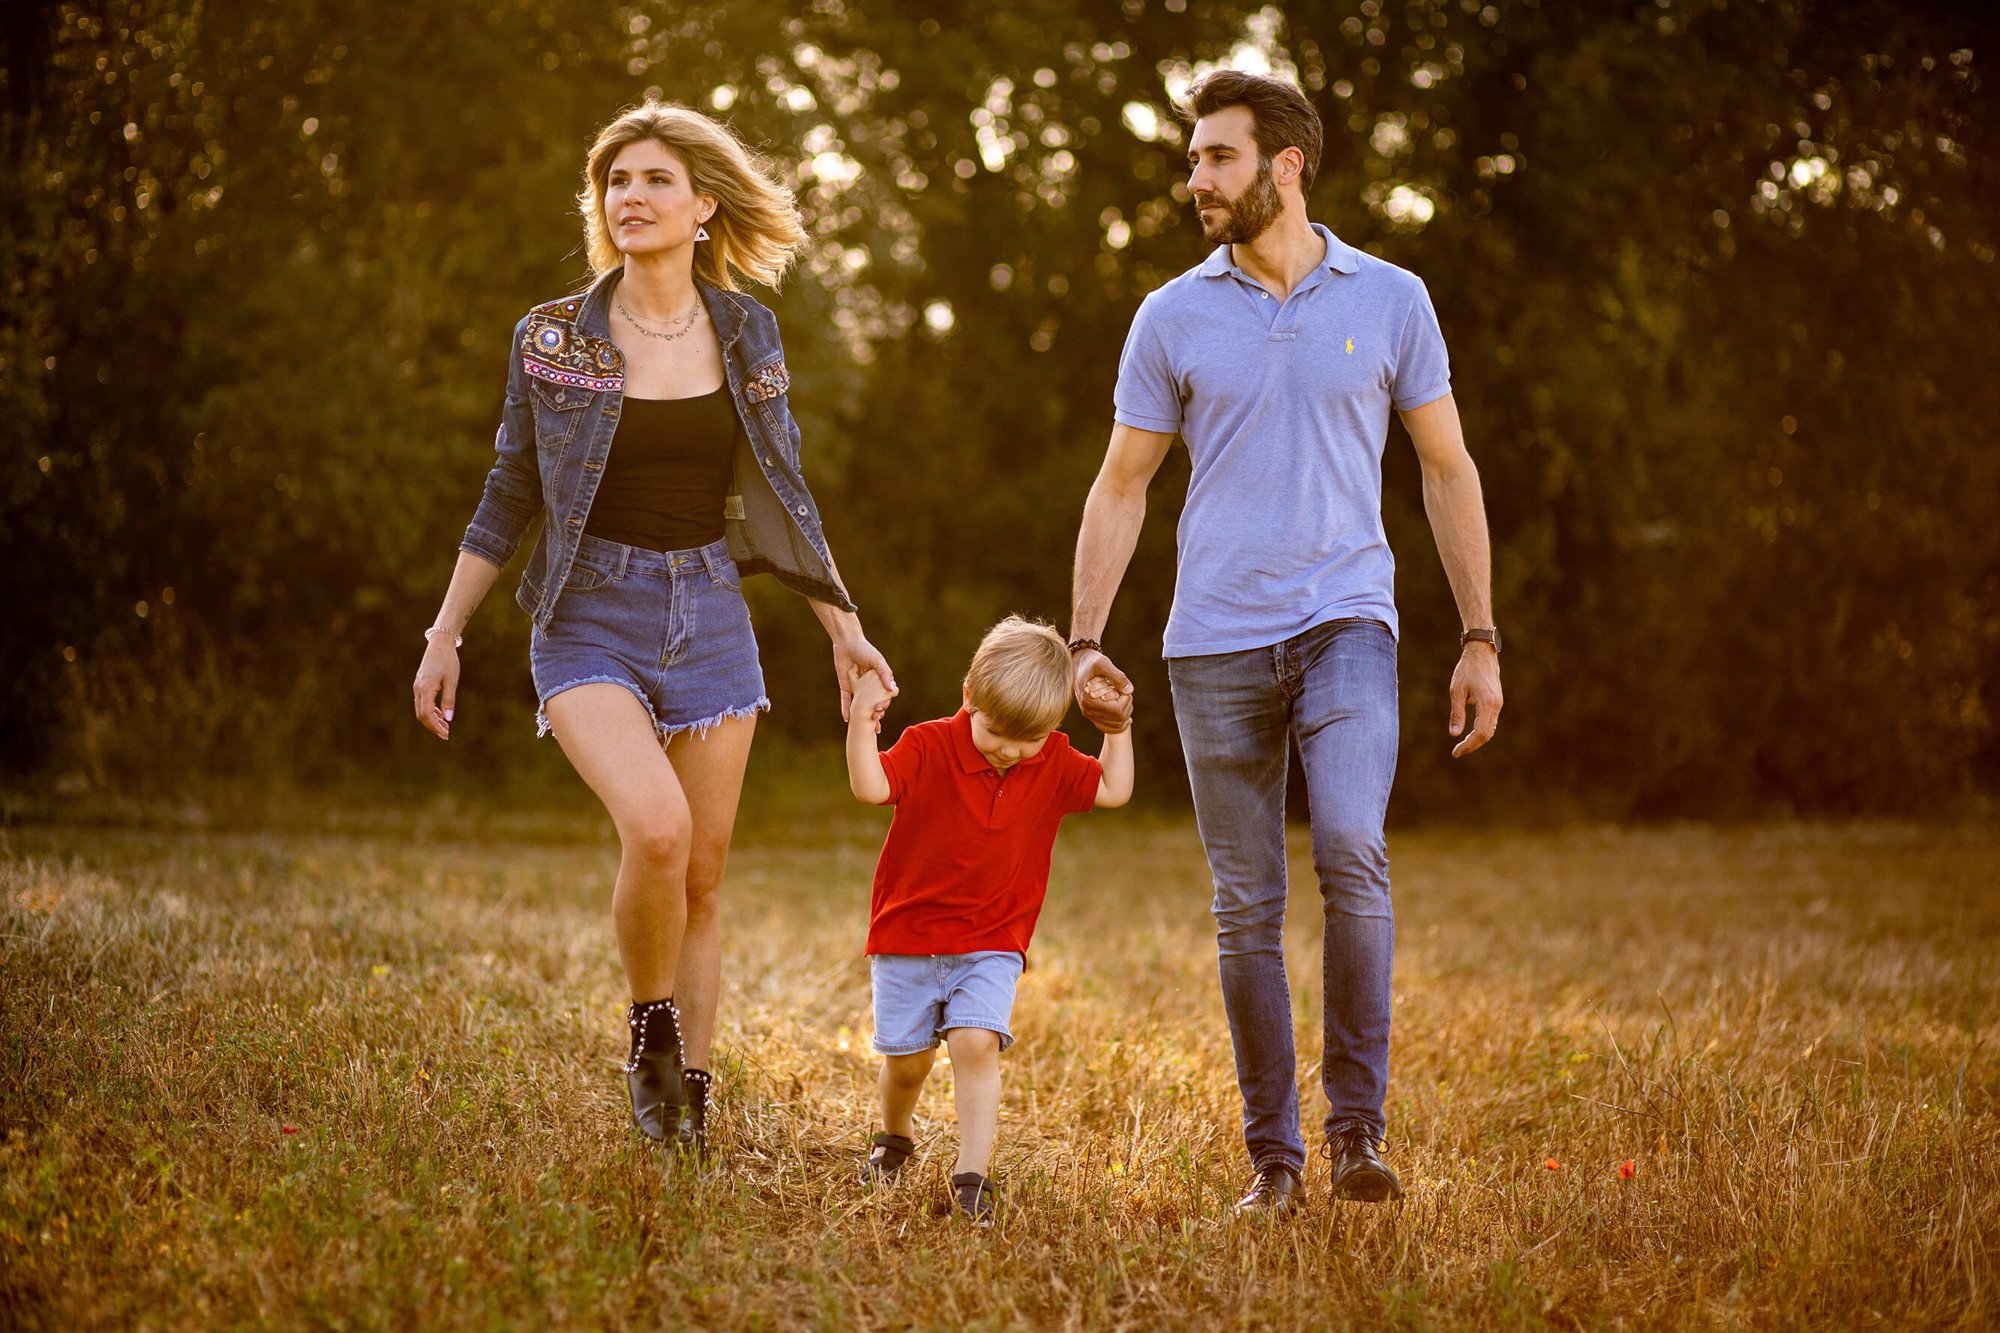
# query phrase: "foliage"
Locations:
[[1717, 278]]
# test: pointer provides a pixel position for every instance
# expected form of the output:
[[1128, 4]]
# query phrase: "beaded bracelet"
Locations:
[[1091, 644], [457, 639]]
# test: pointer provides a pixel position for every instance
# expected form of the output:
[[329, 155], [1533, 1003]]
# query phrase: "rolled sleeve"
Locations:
[[513, 494], [1147, 396], [1423, 369]]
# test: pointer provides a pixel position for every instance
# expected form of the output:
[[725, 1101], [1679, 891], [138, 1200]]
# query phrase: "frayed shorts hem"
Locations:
[[664, 731]]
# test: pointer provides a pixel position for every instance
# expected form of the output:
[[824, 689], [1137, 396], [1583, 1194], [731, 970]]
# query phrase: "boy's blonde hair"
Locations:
[[755, 228], [1020, 678]]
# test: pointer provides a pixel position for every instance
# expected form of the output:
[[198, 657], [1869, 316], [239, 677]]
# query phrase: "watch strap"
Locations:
[[1489, 635]]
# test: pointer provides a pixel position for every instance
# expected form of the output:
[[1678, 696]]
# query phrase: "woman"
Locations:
[[648, 417]]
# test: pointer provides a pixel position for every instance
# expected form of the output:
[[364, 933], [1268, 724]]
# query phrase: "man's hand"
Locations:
[[856, 654], [1103, 692], [1475, 681]]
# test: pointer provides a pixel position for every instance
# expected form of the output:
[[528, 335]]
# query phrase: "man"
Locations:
[[1278, 359]]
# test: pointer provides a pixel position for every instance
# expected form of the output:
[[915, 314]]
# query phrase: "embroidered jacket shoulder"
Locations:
[[554, 351]]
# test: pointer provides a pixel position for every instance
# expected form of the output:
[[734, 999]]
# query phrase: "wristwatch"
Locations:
[[1491, 636]]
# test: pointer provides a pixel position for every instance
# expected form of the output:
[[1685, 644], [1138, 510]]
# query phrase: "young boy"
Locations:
[[962, 875]]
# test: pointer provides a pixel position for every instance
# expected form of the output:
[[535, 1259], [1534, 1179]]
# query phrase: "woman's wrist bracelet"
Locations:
[[457, 639]]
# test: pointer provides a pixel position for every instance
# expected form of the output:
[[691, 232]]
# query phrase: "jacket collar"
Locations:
[[726, 310]]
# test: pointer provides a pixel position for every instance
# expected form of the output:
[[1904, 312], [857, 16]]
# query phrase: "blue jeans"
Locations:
[[1334, 689]]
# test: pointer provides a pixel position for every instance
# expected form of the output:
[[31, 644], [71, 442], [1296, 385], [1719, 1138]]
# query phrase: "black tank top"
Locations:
[[669, 471]]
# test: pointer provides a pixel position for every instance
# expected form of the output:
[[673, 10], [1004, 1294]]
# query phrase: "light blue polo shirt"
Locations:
[[1285, 409]]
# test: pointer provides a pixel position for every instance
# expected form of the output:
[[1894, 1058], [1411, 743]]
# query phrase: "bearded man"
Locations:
[[1277, 359]]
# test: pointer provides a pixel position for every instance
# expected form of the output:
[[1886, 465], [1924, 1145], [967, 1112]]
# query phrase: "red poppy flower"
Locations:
[[291, 1129], [1553, 1165], [1629, 1170]]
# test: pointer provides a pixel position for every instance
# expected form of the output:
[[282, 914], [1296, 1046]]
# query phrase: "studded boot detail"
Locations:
[[694, 1125], [653, 1070]]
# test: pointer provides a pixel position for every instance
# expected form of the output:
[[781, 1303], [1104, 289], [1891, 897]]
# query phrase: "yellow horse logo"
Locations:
[[1350, 347]]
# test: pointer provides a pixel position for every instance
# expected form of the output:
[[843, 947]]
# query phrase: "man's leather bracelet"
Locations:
[[1091, 644]]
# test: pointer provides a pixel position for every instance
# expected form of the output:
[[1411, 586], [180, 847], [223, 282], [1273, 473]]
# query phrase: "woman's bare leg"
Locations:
[[609, 738], [710, 769]]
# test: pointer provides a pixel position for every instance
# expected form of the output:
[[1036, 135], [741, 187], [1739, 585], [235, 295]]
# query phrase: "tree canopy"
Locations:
[[1717, 277]]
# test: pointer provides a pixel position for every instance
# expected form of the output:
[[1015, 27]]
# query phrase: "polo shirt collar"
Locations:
[[969, 757], [1339, 257]]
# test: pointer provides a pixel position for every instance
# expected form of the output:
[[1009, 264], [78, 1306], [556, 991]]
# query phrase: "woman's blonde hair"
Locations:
[[755, 228], [1020, 678]]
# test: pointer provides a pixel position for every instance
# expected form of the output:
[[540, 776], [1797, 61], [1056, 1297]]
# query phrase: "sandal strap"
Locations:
[[886, 1145]]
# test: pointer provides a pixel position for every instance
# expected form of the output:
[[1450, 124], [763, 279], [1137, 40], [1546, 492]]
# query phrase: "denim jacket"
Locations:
[[565, 388]]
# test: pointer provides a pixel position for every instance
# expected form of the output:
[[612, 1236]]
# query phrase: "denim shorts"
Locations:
[[670, 626], [919, 996]]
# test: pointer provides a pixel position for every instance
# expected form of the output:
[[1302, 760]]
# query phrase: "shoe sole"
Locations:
[[1264, 1213], [1369, 1187]]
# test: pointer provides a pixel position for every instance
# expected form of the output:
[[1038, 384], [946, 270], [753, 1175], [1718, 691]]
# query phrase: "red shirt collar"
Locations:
[[969, 757]]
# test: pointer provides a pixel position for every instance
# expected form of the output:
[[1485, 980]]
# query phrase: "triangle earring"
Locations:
[[700, 233]]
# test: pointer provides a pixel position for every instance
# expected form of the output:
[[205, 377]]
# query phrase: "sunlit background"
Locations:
[[1718, 282]]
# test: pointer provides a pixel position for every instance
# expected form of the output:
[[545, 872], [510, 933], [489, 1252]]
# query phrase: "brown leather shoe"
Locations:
[[1359, 1173], [1274, 1193]]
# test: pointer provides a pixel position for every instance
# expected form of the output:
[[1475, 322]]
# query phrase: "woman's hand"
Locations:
[[437, 674], [853, 656]]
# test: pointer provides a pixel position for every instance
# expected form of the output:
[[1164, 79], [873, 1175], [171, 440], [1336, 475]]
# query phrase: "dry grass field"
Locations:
[[341, 1078]]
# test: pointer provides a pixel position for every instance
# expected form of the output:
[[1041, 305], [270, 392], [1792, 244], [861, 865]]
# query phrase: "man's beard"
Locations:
[[1247, 216]]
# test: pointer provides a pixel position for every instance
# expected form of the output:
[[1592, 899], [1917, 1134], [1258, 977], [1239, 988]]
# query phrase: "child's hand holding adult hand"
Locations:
[[1111, 710], [868, 692]]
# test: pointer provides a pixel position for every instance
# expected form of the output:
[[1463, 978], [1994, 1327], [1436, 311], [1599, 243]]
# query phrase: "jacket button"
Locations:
[[768, 462], [802, 511], [576, 522]]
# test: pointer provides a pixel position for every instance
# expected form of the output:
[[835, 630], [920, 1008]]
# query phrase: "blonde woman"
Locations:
[[648, 418]]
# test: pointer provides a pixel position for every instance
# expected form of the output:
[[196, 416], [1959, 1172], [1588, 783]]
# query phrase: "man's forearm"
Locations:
[[1104, 546], [1457, 511]]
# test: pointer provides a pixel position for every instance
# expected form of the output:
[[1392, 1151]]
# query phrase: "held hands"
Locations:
[[854, 658], [1476, 681], [867, 696], [1103, 692], [1108, 697], [437, 674]]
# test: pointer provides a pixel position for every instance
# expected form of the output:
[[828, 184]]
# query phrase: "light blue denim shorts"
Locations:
[[670, 626], [919, 996]]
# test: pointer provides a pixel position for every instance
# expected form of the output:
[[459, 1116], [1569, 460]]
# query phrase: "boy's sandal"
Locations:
[[973, 1197], [886, 1158]]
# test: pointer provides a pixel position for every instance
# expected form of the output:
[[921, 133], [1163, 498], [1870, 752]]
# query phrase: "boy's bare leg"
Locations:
[[902, 1080], [975, 1076]]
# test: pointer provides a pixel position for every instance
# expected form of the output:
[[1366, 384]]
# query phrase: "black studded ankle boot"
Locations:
[[653, 1070], [694, 1125]]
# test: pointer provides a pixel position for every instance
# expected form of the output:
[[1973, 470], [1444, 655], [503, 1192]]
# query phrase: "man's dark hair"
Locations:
[[1281, 116]]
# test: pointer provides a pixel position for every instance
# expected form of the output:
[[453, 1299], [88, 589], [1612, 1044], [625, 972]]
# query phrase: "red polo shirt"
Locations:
[[966, 863]]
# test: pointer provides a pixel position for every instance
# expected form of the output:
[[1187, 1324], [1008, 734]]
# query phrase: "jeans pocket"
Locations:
[[585, 578]]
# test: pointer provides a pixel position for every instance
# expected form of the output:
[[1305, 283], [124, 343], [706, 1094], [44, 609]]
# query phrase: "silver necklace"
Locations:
[[686, 326]]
